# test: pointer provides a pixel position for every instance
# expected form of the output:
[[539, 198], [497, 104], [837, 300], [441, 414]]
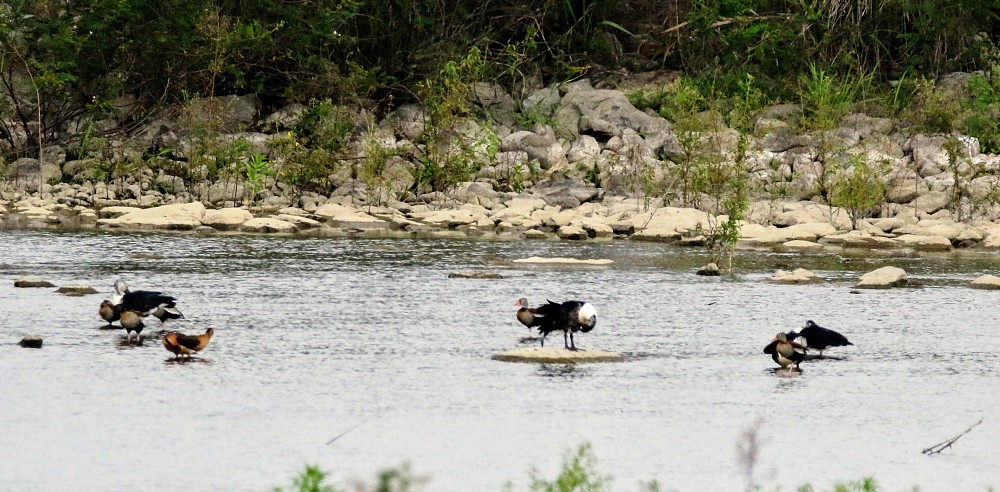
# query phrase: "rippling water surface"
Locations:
[[315, 337]]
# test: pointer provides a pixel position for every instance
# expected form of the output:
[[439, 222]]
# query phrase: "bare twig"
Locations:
[[941, 446]]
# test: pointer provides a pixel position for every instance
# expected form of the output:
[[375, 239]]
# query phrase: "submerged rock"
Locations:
[[31, 341], [556, 355], [29, 282], [479, 275], [709, 270], [797, 276], [76, 290]]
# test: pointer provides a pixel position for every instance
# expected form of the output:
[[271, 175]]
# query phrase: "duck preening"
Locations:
[[109, 312], [528, 316], [786, 351], [819, 338], [181, 344], [160, 306], [569, 316], [132, 321]]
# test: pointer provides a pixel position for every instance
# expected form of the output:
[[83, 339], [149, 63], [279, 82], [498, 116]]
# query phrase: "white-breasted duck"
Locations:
[[819, 338], [569, 316], [146, 302]]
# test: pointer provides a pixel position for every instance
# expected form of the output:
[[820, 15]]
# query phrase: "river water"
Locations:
[[315, 337]]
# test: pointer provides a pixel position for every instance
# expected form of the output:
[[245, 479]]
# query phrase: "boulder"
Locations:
[[32, 282], [986, 282], [800, 245], [176, 216], [31, 341], [226, 219], [709, 270], [76, 290], [299, 221], [573, 232], [883, 278], [348, 218], [267, 225], [797, 276], [925, 243]]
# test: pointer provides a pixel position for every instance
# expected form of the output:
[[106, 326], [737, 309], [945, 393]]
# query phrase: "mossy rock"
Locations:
[[32, 282], [547, 355], [76, 290]]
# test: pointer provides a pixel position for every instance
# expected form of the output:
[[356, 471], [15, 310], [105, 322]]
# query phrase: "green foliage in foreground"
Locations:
[[578, 474]]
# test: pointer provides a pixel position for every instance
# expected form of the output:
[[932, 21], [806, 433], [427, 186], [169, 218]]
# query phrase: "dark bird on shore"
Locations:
[[132, 321], [181, 344], [109, 312], [569, 316], [528, 316], [786, 351], [819, 338], [162, 307]]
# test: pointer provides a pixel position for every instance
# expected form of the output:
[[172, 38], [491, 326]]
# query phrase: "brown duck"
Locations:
[[181, 344], [109, 312], [528, 316], [132, 321]]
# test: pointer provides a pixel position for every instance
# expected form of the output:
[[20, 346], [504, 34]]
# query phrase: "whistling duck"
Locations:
[[786, 351], [109, 312], [820, 338], [132, 321], [163, 307], [526, 315], [181, 344], [570, 317]]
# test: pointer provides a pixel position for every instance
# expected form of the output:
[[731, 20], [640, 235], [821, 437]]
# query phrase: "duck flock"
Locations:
[[130, 308], [787, 349]]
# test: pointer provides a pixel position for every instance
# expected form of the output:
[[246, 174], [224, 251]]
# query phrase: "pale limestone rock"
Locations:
[[858, 239], [262, 224], [797, 276], [535, 234], [925, 243], [931, 201], [348, 217], [454, 218], [226, 218], [595, 227], [799, 245], [572, 232], [550, 355], [564, 261], [986, 282], [883, 278], [178, 216], [299, 221]]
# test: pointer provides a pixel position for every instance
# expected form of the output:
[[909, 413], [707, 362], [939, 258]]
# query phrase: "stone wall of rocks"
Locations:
[[592, 135]]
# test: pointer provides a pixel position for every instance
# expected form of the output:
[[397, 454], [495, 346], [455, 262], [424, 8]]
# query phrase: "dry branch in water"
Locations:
[[941, 446]]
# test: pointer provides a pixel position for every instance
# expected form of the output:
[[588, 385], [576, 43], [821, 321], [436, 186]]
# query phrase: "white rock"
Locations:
[[564, 261], [797, 276], [226, 218], [986, 282], [347, 217], [883, 278], [263, 224], [925, 243]]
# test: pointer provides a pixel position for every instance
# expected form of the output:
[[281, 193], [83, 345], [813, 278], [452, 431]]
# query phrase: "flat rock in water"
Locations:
[[76, 290], [32, 282], [31, 341], [555, 355], [481, 275], [564, 261]]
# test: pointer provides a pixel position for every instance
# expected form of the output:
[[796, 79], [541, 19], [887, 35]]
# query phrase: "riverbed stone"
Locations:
[[31, 341], [76, 290], [226, 219], [299, 221], [476, 275], [797, 276], [564, 261], [800, 245], [883, 278], [267, 225], [859, 239], [32, 282], [177, 216], [925, 243], [572, 232], [986, 282], [709, 270], [548, 355], [346, 217]]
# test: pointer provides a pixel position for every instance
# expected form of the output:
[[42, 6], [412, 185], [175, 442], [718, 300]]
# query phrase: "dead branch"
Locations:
[[941, 446]]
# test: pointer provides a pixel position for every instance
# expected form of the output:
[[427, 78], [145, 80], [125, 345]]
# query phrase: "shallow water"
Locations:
[[317, 337]]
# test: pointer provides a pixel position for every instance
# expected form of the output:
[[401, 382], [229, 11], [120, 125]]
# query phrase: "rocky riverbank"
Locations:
[[576, 173]]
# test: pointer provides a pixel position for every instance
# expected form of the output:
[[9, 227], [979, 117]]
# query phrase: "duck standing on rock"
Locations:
[[162, 307], [786, 351], [181, 344], [569, 316]]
